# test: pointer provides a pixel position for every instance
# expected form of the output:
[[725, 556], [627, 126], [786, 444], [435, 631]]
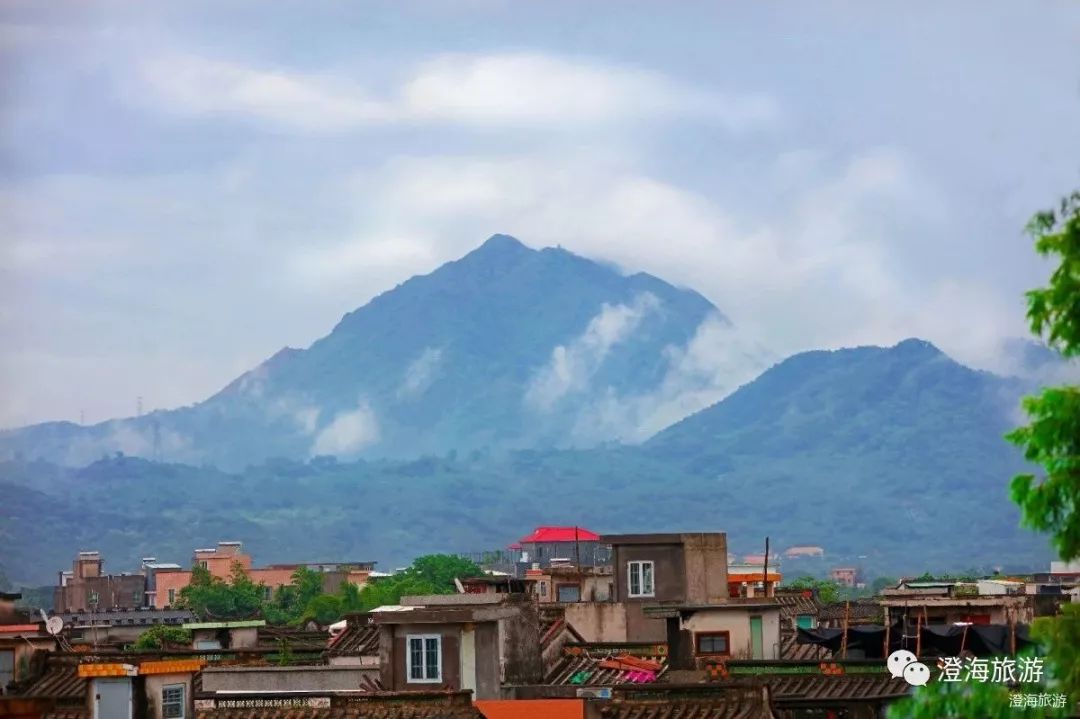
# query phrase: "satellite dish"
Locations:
[[54, 625]]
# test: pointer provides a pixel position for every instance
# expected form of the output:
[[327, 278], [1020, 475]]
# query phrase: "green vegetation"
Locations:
[[212, 598], [827, 591], [162, 637], [1050, 503], [303, 600]]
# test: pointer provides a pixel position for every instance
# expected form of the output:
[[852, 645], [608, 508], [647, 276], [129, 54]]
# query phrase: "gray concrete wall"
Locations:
[[668, 571], [598, 621], [520, 637], [641, 628], [284, 679], [705, 557]]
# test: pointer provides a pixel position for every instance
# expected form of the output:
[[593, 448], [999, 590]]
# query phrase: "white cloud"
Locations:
[[348, 433], [196, 86], [307, 419], [525, 89], [420, 373], [717, 360], [572, 365]]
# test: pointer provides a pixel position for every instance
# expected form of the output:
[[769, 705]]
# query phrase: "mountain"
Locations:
[[891, 458], [506, 348], [875, 448]]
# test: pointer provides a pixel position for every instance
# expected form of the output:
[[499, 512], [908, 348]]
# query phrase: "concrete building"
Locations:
[[687, 568], [737, 629], [569, 545], [88, 587], [752, 580], [460, 641], [20, 636], [568, 583], [844, 576]]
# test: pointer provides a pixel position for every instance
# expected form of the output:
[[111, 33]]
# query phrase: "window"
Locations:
[[543, 589], [712, 643], [172, 597], [92, 598], [423, 662], [639, 576], [203, 564], [267, 592], [568, 592], [172, 701], [136, 597]]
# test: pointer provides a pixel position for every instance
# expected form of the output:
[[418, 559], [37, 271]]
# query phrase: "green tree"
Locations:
[[210, 597], [162, 636], [324, 609], [883, 583], [290, 601], [827, 591], [1051, 503], [442, 569]]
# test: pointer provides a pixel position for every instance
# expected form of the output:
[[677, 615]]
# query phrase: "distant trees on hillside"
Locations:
[[303, 599]]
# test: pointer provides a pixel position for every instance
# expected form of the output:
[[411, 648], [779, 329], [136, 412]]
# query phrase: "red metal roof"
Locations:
[[560, 534]]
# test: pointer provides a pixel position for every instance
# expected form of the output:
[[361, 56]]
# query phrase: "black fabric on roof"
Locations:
[[982, 640]]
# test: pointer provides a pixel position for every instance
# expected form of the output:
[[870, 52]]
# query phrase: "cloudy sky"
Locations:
[[187, 187]]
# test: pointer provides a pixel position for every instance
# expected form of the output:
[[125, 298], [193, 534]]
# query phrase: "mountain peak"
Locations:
[[915, 347], [503, 243]]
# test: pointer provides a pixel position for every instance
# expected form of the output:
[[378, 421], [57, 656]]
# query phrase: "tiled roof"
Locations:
[[744, 702], [297, 639], [60, 681], [355, 640], [829, 682], [605, 668], [862, 610], [551, 626], [793, 604], [560, 534], [845, 687], [791, 649]]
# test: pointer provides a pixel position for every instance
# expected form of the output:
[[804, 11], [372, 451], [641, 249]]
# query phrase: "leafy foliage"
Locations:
[[1060, 637], [303, 599], [162, 636], [827, 591], [212, 598], [963, 700], [1051, 503]]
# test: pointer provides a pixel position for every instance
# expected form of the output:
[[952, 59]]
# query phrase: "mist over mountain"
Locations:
[[891, 458], [506, 348]]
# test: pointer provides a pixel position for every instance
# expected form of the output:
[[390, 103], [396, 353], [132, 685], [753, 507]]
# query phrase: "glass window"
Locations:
[[712, 643], [568, 592], [640, 579], [172, 701], [172, 596], [424, 658]]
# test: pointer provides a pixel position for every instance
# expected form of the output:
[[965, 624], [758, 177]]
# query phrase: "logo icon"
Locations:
[[904, 664]]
